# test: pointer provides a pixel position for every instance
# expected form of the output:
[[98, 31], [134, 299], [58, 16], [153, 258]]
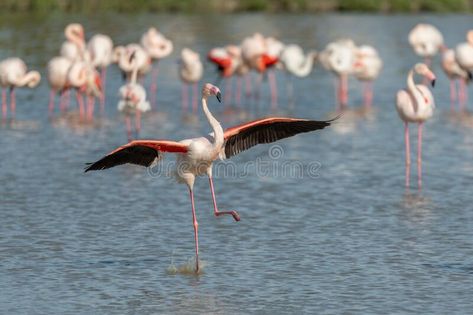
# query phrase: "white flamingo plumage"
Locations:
[[339, 58], [296, 63], [83, 77], [261, 54], [455, 72], [367, 68], [426, 41], [191, 71], [74, 46], [195, 156], [158, 47], [100, 50], [464, 57], [415, 105], [133, 99], [14, 74], [122, 55]]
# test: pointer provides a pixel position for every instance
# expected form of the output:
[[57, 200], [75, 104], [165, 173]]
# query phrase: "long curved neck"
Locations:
[[217, 128], [78, 78], [306, 67], [30, 79], [411, 86]]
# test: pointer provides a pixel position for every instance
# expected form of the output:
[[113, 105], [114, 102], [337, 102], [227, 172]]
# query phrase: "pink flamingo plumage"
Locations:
[[415, 105]]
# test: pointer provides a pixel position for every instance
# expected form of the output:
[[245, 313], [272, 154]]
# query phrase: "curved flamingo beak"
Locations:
[[431, 77], [219, 97]]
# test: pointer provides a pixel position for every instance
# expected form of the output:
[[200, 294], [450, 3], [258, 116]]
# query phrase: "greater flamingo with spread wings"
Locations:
[[195, 156]]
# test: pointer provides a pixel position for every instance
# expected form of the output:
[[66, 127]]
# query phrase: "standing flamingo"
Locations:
[[190, 72], [260, 54], [58, 68], [141, 57], [86, 80], [158, 47], [196, 156], [226, 59], [133, 100], [415, 105], [74, 46], [455, 72], [464, 57], [100, 49], [296, 63], [13, 74], [367, 67], [426, 40], [339, 58]]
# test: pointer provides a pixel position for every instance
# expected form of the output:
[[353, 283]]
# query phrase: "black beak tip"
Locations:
[[219, 97], [433, 83]]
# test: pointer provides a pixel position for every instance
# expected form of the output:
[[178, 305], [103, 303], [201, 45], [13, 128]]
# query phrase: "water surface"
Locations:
[[347, 238]]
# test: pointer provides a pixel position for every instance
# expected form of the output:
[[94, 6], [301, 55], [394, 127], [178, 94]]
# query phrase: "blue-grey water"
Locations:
[[342, 236]]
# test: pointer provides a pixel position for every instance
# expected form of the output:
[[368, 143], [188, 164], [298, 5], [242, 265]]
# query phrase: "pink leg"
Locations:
[[62, 99], [138, 121], [368, 94], [408, 152], [194, 98], [238, 91], [464, 94], [185, 97], [259, 80], [128, 127], [52, 94], [154, 84], [248, 85], [274, 89], [103, 77], [419, 156], [80, 103], [67, 96], [453, 96], [217, 213], [196, 231], [12, 103], [228, 91], [337, 88], [4, 105], [343, 91], [90, 107]]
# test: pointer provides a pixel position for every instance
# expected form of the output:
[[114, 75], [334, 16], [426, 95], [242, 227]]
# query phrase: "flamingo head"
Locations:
[[423, 70], [209, 90]]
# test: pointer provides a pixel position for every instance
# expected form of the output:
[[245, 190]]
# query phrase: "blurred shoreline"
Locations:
[[235, 6]]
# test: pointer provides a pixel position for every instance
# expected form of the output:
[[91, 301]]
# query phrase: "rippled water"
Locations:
[[347, 238]]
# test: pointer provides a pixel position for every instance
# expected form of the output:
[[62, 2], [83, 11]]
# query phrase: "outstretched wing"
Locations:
[[139, 152], [267, 130]]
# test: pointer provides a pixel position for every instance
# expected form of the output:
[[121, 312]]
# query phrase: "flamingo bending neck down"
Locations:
[[415, 105], [366, 69], [426, 41], [158, 47], [13, 74], [133, 99], [190, 72], [196, 156]]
